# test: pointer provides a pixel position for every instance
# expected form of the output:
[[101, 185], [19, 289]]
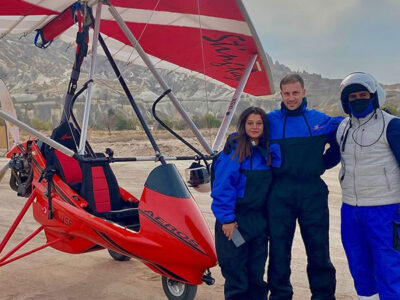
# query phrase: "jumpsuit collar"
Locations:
[[297, 112], [293, 113]]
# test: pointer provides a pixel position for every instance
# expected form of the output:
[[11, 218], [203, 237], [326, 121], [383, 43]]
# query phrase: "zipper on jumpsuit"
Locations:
[[355, 156], [355, 163], [284, 127], [305, 121], [342, 145]]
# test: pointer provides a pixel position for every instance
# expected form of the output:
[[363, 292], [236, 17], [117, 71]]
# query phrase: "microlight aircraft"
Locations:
[[74, 195]]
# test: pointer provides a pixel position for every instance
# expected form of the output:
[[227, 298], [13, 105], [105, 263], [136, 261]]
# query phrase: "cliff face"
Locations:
[[38, 78]]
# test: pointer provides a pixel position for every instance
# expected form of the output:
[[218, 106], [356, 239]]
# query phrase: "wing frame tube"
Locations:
[[117, 17], [82, 142], [131, 100], [233, 105], [49, 32], [36, 133]]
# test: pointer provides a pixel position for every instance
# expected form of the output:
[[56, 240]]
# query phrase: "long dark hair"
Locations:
[[243, 148]]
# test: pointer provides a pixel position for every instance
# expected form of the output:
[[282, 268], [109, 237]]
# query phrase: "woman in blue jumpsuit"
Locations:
[[239, 193]]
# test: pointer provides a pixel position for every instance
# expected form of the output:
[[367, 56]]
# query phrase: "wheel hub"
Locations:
[[175, 287]]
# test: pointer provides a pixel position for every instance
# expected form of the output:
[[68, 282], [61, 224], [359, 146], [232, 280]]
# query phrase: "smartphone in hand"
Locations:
[[237, 238]]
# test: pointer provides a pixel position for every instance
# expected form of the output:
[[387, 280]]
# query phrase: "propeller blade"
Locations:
[[3, 171], [8, 106]]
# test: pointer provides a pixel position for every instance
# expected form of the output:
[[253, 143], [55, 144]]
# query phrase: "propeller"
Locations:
[[8, 106], [3, 171]]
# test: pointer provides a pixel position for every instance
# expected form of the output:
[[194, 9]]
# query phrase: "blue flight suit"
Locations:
[[239, 193], [298, 193]]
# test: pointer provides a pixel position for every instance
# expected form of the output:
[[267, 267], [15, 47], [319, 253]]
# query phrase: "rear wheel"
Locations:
[[176, 290], [118, 256]]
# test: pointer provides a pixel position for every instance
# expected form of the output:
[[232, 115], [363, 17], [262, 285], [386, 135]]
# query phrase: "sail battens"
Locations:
[[217, 8], [133, 15]]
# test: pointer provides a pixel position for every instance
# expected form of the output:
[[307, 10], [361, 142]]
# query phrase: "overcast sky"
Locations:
[[332, 38]]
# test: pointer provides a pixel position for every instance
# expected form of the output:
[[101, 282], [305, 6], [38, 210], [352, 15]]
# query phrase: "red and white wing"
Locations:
[[213, 38]]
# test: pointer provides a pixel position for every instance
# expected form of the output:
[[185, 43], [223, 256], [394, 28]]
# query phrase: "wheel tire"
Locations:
[[175, 290], [118, 256]]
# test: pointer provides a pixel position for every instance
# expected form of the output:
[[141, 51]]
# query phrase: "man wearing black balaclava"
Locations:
[[369, 142]]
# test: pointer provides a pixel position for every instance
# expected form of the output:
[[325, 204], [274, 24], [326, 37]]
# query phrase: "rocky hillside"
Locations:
[[38, 79]]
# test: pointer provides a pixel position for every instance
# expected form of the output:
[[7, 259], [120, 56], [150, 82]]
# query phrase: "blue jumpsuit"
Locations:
[[239, 193], [299, 193]]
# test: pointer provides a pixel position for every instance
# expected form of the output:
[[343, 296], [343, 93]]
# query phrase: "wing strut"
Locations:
[[36, 133], [233, 105], [82, 142], [158, 77]]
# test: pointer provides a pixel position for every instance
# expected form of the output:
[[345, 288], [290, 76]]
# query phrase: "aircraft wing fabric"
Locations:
[[207, 38]]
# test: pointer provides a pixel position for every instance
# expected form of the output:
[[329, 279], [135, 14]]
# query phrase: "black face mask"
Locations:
[[361, 107]]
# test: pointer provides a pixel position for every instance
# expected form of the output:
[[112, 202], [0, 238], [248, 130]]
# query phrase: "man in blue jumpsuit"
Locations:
[[370, 178], [298, 193]]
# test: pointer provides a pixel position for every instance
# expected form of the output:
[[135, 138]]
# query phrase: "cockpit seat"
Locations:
[[66, 167], [93, 180], [100, 189]]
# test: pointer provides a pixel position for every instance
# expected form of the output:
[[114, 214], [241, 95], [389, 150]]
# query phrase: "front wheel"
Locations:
[[176, 290], [118, 256]]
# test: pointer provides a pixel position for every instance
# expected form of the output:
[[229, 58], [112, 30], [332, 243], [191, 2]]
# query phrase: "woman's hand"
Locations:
[[228, 229]]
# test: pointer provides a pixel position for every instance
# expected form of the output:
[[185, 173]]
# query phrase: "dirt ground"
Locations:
[[49, 274]]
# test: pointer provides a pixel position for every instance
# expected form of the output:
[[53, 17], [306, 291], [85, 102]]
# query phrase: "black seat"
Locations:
[[66, 167], [93, 180], [100, 189]]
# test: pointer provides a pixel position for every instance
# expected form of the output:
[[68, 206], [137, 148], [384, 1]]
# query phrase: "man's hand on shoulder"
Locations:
[[230, 143]]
